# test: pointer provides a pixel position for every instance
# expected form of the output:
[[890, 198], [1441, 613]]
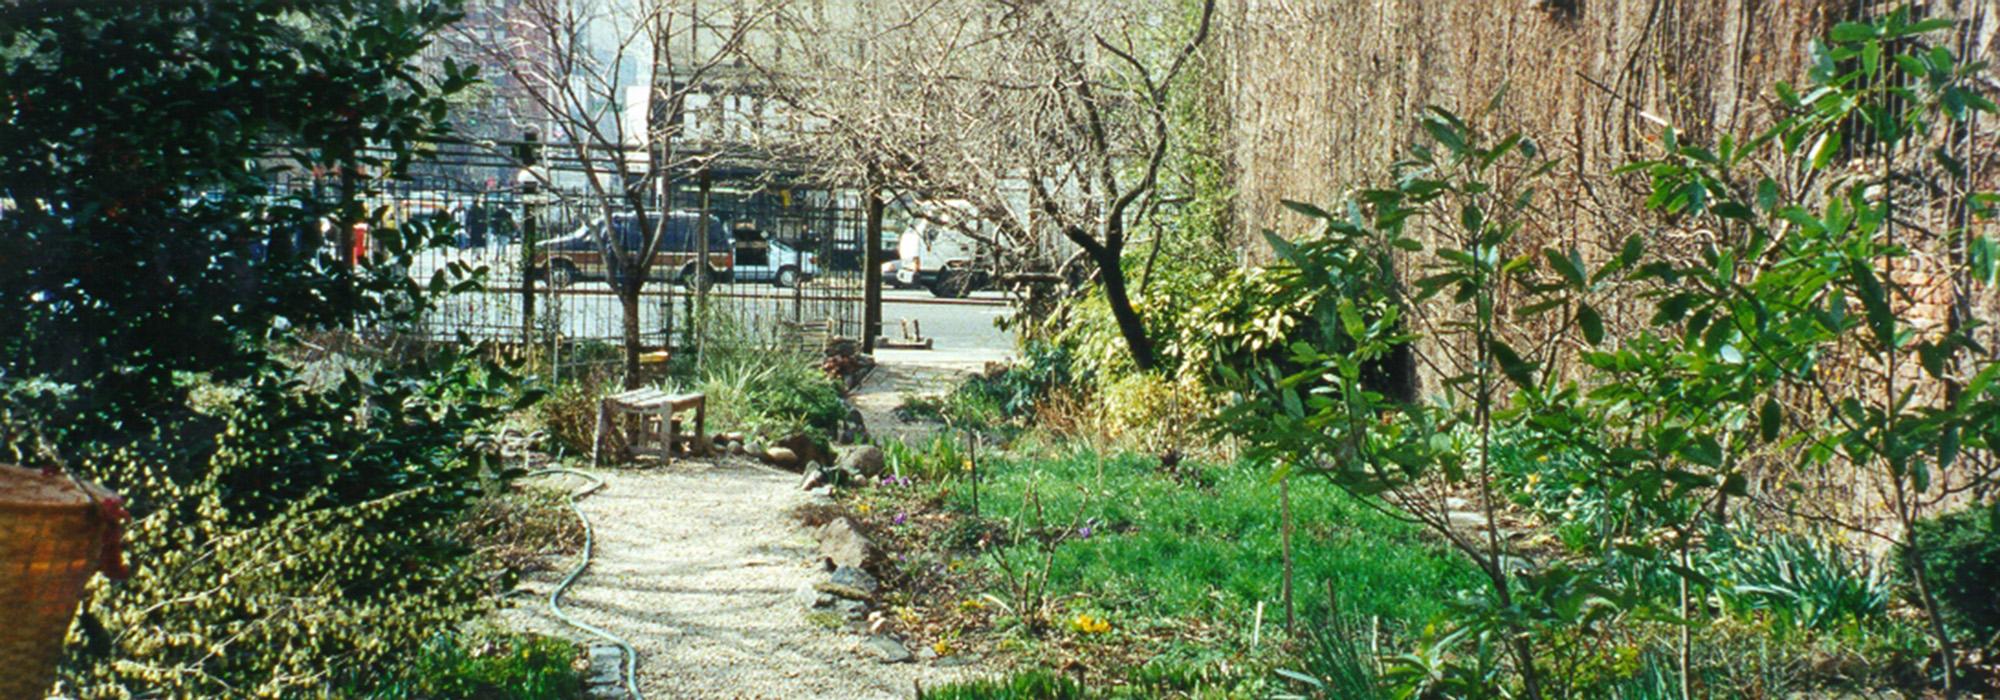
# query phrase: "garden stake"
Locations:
[[1285, 510]]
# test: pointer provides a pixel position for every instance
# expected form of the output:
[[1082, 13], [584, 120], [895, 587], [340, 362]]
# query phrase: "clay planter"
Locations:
[[52, 539]]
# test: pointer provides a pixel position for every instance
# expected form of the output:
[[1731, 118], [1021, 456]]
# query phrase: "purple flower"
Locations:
[[1084, 532], [902, 518]]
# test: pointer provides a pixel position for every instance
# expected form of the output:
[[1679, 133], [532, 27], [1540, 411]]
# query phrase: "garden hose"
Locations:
[[631, 655]]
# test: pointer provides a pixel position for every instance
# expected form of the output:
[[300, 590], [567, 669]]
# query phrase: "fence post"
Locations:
[[529, 153], [871, 271], [701, 280]]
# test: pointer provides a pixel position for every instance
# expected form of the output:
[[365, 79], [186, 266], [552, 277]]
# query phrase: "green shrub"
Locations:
[[488, 666], [1025, 685], [569, 413], [769, 391], [1807, 583], [1335, 664], [1961, 553]]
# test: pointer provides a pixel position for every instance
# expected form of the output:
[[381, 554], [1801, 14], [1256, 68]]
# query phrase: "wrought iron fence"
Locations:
[[785, 258]]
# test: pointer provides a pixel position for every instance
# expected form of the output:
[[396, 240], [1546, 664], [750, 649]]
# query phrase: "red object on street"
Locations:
[[360, 250]]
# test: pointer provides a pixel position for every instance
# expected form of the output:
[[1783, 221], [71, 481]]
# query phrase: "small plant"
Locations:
[[1026, 685], [1802, 582], [1336, 664], [488, 666], [1961, 551]]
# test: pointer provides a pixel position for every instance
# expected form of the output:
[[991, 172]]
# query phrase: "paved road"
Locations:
[[959, 332], [962, 330]]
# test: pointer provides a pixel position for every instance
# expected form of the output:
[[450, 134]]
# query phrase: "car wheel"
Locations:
[[952, 285], [691, 281], [787, 277], [561, 274]]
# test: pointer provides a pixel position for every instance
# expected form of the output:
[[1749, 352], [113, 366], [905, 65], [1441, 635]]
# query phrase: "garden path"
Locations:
[[699, 565]]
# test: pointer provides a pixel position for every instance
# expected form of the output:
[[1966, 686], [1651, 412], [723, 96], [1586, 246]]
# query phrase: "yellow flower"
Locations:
[[1088, 624], [942, 647], [971, 605], [863, 508], [966, 464]]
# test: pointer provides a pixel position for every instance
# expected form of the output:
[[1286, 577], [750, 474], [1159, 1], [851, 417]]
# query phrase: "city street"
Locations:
[[963, 329]]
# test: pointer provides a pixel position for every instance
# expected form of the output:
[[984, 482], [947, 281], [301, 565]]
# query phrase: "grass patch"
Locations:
[[1130, 577], [1204, 541], [488, 666]]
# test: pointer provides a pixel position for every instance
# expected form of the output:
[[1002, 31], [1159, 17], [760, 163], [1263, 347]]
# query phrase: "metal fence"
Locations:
[[786, 268]]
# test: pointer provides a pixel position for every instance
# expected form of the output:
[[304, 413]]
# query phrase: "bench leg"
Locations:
[[597, 443], [701, 427]]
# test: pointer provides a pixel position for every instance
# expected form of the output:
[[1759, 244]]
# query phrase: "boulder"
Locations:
[[864, 460], [850, 610], [782, 457], [887, 650], [807, 448], [850, 583], [812, 598], [843, 544], [815, 477]]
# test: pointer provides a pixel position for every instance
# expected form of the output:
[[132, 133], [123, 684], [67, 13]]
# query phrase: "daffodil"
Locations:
[[1088, 624]]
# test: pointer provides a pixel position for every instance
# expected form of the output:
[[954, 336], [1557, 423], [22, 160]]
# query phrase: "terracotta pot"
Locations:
[[53, 537]]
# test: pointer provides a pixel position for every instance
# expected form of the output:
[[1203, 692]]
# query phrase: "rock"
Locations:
[[733, 436], [753, 447], [956, 660], [736, 447], [925, 653], [850, 583], [806, 447], [887, 650], [843, 544], [606, 675], [865, 460], [812, 598], [851, 610], [814, 478], [781, 457]]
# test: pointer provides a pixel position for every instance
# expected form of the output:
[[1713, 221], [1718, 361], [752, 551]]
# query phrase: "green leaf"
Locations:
[[1736, 485], [1591, 324], [1306, 209], [1875, 301], [1633, 249], [1848, 32], [1672, 309], [1770, 419], [1445, 134], [1983, 256], [1284, 249], [1829, 146], [1568, 265], [1520, 371]]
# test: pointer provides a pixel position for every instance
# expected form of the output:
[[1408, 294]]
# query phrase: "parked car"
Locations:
[[782, 265], [581, 254], [941, 259]]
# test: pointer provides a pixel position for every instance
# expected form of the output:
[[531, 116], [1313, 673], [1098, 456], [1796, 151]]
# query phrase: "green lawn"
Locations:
[[1161, 550]]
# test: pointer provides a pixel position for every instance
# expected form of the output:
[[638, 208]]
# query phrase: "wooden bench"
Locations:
[[648, 421]]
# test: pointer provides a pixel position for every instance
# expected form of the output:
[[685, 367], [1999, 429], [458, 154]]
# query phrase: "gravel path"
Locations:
[[698, 565], [906, 373]]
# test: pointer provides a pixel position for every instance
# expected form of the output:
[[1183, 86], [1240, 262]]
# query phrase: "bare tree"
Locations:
[[1045, 119], [581, 65]]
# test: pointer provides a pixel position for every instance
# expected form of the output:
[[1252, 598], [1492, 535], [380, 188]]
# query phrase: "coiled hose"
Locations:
[[629, 654]]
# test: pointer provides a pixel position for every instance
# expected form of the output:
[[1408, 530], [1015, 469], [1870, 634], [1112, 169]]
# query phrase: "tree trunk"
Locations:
[[1129, 323], [628, 301]]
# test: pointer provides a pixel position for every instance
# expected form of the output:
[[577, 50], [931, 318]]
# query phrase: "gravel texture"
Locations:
[[699, 566]]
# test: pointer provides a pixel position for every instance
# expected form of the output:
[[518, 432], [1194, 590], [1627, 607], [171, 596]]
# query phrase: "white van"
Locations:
[[941, 259]]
